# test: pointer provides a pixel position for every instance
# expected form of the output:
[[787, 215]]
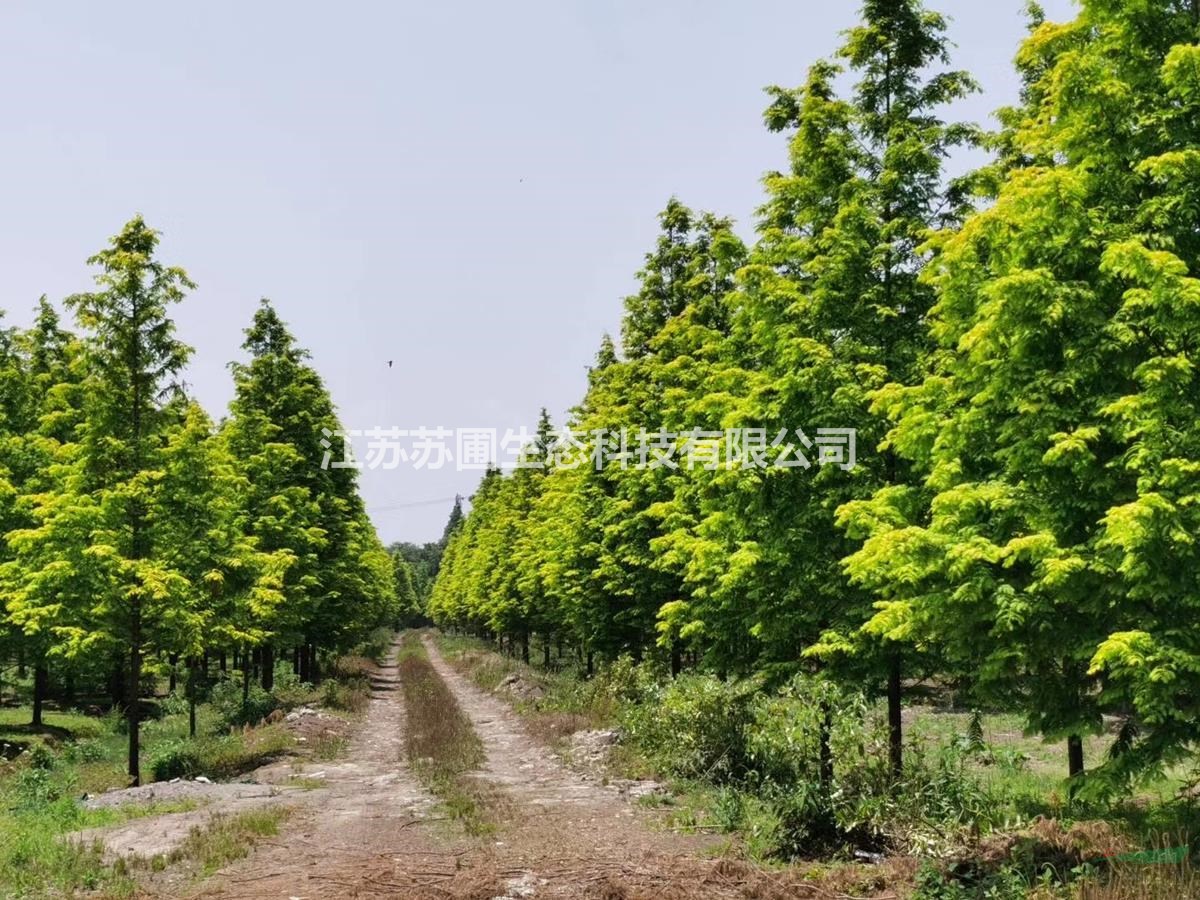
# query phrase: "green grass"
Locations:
[[75, 754]]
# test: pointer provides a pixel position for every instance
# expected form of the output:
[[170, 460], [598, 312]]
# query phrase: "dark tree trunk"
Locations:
[[1074, 755], [246, 673], [559, 645], [191, 693], [296, 661], [268, 667], [221, 662], [116, 685], [676, 659], [525, 647], [825, 750], [134, 712], [173, 661], [41, 681], [895, 722], [591, 664]]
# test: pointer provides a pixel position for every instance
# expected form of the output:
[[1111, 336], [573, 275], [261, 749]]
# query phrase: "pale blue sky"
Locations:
[[465, 188]]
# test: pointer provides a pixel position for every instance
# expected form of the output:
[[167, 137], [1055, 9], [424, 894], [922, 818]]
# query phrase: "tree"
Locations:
[[829, 307], [338, 580], [1055, 433], [42, 413], [197, 530], [133, 358]]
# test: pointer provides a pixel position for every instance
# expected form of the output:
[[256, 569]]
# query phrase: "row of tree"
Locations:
[[137, 530], [1016, 348]]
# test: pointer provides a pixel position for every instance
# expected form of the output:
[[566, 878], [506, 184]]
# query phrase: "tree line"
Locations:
[[1016, 347], [141, 535]]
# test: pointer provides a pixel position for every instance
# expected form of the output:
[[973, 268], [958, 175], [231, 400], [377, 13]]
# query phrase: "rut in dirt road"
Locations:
[[360, 835], [374, 832], [576, 838]]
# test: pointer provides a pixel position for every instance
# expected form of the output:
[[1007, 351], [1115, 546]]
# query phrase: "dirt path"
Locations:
[[373, 831], [575, 838], [360, 835]]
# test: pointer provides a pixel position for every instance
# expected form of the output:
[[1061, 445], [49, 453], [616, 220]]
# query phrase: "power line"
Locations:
[[410, 505]]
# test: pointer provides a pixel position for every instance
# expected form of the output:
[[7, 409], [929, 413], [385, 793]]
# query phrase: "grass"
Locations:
[[44, 771], [441, 743], [223, 839], [955, 792]]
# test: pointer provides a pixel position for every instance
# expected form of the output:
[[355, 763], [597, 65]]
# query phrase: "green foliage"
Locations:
[[695, 727], [235, 710], [221, 756]]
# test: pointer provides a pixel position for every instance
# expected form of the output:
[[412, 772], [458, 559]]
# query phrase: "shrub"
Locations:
[[87, 751], [353, 695], [174, 704], [225, 756], [175, 759], [695, 728], [290, 692], [233, 710], [37, 788]]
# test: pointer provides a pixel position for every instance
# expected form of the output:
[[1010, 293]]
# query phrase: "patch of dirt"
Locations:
[[575, 837], [588, 753], [150, 836], [358, 834], [519, 688], [373, 832]]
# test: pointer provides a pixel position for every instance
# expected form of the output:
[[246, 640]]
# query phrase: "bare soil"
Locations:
[[373, 831]]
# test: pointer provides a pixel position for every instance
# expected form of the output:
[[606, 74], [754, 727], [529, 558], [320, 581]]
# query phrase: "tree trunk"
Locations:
[[134, 712], [895, 722], [676, 659], [116, 684], [1074, 755], [525, 647], [221, 662], [245, 675], [546, 651], [41, 679], [591, 664], [296, 661], [173, 660], [191, 693], [268, 667], [825, 750], [559, 645]]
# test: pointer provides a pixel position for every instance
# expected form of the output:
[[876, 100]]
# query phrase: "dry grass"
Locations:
[[442, 745]]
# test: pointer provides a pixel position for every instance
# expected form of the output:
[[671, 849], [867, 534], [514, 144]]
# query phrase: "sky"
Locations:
[[466, 189]]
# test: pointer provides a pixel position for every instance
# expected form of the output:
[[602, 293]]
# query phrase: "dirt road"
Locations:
[[375, 832]]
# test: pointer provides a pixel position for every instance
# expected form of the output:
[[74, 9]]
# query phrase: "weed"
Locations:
[[442, 746]]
